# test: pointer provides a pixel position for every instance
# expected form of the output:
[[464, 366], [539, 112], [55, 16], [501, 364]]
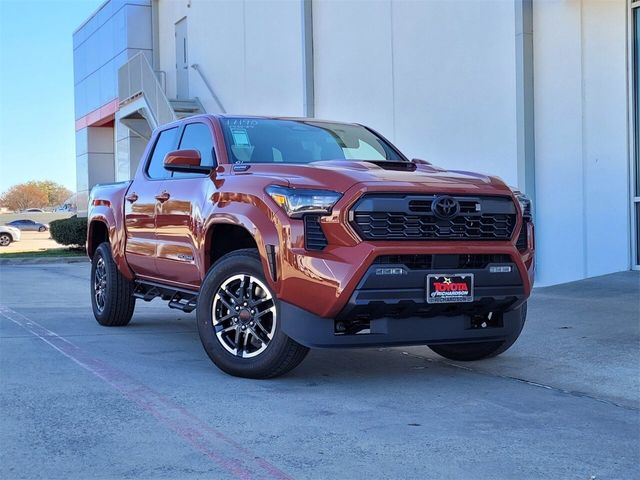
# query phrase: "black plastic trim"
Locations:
[[314, 237], [312, 330], [271, 260]]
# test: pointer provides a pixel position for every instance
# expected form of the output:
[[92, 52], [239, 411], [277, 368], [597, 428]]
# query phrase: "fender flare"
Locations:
[[116, 236], [258, 225]]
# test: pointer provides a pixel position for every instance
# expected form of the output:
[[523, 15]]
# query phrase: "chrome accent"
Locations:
[[100, 284], [244, 316]]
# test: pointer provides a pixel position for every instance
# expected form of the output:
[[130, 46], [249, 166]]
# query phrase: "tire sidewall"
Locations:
[[234, 264]]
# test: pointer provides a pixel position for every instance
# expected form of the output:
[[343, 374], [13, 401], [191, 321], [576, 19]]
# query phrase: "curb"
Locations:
[[42, 260]]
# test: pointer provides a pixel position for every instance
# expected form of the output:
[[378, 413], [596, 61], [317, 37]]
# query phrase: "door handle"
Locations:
[[132, 197], [163, 197]]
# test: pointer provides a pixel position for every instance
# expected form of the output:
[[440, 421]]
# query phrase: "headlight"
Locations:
[[297, 202], [524, 201]]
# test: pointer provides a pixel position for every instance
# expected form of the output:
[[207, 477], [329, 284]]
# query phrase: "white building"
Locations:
[[541, 93]]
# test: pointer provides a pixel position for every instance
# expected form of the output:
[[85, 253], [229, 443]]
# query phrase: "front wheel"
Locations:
[[238, 320], [111, 293], [41, 229], [467, 352], [5, 239]]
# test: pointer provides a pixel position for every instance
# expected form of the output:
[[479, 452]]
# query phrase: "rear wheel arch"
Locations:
[[98, 233]]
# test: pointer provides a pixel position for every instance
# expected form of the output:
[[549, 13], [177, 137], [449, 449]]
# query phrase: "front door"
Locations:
[[181, 218], [182, 60], [142, 202]]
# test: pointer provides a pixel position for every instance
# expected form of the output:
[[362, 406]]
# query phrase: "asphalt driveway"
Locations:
[[82, 401]]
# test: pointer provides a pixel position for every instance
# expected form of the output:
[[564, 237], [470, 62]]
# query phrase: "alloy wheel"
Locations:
[[244, 315], [100, 284]]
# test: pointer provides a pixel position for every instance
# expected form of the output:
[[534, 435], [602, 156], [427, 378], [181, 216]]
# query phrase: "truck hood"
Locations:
[[340, 175]]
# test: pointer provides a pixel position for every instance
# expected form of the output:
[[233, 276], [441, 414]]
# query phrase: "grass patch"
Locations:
[[51, 252]]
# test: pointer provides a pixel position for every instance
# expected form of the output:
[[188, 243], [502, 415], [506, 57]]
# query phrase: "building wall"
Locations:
[[94, 160], [112, 35], [249, 51], [440, 79], [437, 78], [582, 182], [118, 30]]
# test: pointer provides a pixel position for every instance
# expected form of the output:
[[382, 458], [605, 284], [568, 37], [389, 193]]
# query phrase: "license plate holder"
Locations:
[[449, 288]]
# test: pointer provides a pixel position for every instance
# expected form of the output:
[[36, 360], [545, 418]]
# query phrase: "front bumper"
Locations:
[[392, 309], [318, 332]]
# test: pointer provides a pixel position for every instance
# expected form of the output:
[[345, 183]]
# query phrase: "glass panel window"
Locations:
[[166, 143], [637, 233], [636, 91], [197, 136], [263, 140]]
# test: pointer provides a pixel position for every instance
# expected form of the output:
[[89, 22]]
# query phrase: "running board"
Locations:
[[179, 298]]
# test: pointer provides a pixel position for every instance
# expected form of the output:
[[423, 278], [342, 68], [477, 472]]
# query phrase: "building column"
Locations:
[[524, 98], [94, 161]]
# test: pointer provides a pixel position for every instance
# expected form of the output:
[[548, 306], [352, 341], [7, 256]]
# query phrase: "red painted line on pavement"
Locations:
[[225, 452]]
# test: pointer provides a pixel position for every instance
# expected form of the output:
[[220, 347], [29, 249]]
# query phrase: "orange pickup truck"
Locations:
[[286, 233]]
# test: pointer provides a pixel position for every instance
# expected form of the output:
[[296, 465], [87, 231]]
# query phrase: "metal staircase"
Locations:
[[144, 105], [187, 108]]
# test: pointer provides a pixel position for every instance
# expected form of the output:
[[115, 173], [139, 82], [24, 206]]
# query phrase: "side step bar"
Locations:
[[179, 298]]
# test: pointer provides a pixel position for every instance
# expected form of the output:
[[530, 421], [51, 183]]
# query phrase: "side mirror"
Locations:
[[185, 161], [419, 161]]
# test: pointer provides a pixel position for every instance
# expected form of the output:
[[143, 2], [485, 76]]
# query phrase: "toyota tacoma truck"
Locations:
[[285, 234]]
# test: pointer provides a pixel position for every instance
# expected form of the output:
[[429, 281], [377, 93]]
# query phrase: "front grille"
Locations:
[[443, 261], [410, 217], [314, 238]]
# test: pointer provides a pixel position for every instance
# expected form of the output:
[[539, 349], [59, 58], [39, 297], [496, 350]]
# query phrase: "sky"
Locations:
[[37, 125]]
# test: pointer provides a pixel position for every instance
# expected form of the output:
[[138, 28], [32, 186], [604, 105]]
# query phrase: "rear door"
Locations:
[[180, 221], [142, 201]]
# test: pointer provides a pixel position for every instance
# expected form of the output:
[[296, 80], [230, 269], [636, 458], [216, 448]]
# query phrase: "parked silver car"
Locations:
[[8, 235], [29, 225]]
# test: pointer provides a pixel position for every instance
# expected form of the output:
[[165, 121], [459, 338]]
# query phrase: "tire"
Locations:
[[5, 239], [467, 352], [41, 229], [250, 344], [114, 307]]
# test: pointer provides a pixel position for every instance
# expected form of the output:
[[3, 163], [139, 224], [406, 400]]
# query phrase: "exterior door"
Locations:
[[182, 60], [142, 202], [181, 218]]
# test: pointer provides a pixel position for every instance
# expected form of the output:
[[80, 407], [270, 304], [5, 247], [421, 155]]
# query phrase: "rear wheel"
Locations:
[[467, 352], [111, 293], [238, 320], [5, 239]]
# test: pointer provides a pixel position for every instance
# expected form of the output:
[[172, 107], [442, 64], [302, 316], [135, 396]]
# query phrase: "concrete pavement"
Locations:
[[81, 401]]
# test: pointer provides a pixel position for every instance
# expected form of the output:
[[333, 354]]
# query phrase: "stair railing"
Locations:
[[136, 78], [196, 67]]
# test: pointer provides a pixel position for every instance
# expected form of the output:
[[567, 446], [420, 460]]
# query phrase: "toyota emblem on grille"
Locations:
[[445, 207]]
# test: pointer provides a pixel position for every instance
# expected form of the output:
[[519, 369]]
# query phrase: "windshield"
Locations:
[[264, 140]]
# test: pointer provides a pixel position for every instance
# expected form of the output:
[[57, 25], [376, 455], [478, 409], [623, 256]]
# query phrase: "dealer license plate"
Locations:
[[446, 288]]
